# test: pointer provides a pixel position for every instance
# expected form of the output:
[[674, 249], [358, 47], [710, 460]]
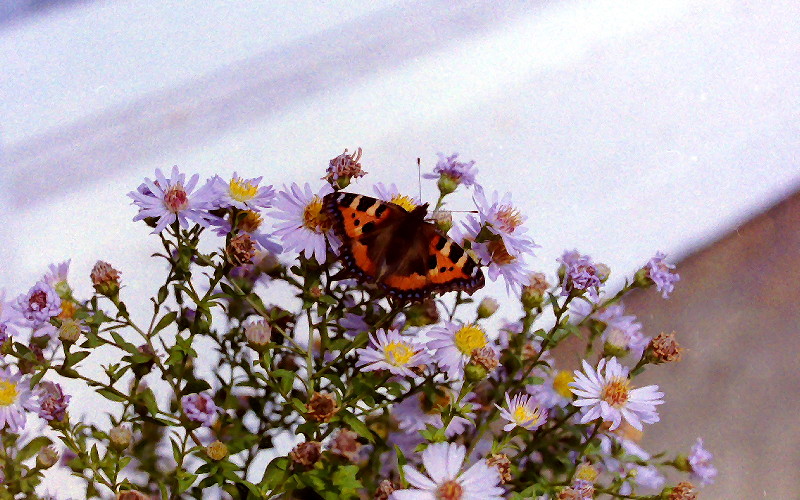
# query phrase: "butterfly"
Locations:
[[397, 250]]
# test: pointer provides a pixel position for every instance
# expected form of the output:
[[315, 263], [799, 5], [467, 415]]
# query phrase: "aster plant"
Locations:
[[266, 368]]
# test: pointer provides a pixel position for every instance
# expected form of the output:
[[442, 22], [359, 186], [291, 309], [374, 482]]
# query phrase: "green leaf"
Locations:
[[122, 343], [165, 321], [73, 358], [110, 395], [357, 426], [345, 478], [185, 480], [148, 398], [33, 448], [286, 380]]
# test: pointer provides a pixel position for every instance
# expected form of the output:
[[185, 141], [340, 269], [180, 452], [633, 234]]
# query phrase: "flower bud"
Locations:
[[120, 437], [105, 279], [345, 444], [443, 220], [241, 249], [217, 450], [343, 168], [70, 330], [258, 333], [487, 307], [47, 457], [474, 373], [533, 293]]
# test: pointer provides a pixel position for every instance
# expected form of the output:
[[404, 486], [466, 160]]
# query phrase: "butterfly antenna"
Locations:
[[419, 177]]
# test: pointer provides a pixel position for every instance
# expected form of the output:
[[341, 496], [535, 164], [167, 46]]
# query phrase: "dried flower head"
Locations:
[[533, 292], [500, 462], [683, 491], [306, 454], [664, 349], [345, 444], [384, 491], [241, 249], [486, 358], [52, 402], [322, 407], [105, 278], [343, 168], [70, 330]]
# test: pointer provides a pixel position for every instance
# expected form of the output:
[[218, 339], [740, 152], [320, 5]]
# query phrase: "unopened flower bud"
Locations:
[[258, 333], [70, 330], [306, 454], [663, 348], [443, 220], [474, 373], [217, 450], [105, 279], [446, 184], [533, 293], [120, 437], [321, 407], [487, 307], [616, 343], [47, 457]]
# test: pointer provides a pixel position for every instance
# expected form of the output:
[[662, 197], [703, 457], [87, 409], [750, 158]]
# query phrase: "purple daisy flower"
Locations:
[[16, 399], [200, 408], [244, 194], [443, 462], [503, 219], [703, 471], [661, 274], [605, 393], [456, 171], [522, 411], [39, 305], [393, 352], [173, 199], [501, 260], [52, 401], [353, 324], [307, 228], [622, 332], [581, 274], [453, 345]]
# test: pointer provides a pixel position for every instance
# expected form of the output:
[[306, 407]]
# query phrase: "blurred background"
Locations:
[[621, 128]]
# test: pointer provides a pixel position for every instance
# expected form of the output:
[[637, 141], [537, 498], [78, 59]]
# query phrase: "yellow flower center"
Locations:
[[250, 222], [313, 217], [509, 218], [616, 392], [523, 414], [450, 490], [587, 473], [241, 190], [8, 393], [404, 201], [469, 338], [561, 383], [398, 353]]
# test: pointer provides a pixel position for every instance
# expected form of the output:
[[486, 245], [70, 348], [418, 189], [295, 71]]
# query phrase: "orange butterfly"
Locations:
[[410, 258]]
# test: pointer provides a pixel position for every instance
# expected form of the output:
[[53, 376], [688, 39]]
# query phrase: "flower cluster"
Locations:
[[339, 323]]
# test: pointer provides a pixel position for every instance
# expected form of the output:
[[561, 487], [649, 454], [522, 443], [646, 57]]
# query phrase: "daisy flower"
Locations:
[[453, 345], [703, 471], [605, 393], [457, 172], [522, 410], [39, 305], [306, 226], [391, 351], [391, 194], [661, 274], [623, 334], [555, 391], [200, 408], [503, 219], [16, 398], [173, 199], [445, 480], [501, 260], [580, 273], [244, 194]]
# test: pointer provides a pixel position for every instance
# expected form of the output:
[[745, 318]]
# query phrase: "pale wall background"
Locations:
[[621, 128]]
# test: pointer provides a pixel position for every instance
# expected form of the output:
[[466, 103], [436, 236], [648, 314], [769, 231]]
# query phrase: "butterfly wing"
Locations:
[[397, 250]]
